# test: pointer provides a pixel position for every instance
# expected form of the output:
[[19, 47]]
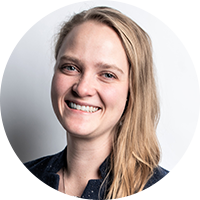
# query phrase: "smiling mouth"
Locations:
[[84, 108]]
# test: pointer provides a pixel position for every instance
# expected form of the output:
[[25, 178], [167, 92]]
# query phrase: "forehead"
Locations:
[[94, 41]]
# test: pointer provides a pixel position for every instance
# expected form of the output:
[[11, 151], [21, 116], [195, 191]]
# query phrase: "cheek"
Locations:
[[57, 92], [54, 88], [115, 98], [54, 93], [57, 86]]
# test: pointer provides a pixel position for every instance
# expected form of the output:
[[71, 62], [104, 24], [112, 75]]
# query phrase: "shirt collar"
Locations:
[[59, 161]]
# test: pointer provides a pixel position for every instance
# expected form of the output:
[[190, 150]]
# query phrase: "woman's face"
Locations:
[[90, 84]]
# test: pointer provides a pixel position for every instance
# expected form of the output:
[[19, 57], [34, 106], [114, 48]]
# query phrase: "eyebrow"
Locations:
[[108, 66], [99, 65], [72, 59]]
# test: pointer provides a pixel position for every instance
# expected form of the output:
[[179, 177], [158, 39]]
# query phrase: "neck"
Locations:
[[85, 156]]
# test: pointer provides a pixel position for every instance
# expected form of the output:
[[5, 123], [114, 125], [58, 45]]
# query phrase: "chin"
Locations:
[[79, 130]]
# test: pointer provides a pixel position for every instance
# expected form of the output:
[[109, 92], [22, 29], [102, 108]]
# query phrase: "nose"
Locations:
[[84, 87]]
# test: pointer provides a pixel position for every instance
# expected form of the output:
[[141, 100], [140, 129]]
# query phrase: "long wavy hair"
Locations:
[[135, 151]]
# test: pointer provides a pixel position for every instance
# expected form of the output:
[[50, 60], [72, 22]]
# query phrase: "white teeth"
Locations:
[[91, 109], [78, 107], [83, 108]]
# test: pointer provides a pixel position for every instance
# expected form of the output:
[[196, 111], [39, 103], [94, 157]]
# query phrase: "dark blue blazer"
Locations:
[[38, 180]]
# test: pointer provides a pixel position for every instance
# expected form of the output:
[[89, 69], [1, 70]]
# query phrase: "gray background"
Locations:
[[28, 118]]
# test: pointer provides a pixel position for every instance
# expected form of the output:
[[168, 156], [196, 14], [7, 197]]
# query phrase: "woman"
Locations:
[[104, 95]]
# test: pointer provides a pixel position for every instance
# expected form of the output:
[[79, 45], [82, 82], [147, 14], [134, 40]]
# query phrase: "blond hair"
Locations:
[[135, 151]]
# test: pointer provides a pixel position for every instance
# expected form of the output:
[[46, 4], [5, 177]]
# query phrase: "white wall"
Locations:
[[28, 117]]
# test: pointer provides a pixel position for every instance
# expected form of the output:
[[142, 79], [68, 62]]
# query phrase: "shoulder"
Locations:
[[32, 173], [167, 185], [46, 163]]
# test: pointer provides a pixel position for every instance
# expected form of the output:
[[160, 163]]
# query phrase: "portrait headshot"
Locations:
[[99, 100]]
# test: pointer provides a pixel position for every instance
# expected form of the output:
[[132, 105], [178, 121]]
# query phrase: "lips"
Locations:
[[85, 108]]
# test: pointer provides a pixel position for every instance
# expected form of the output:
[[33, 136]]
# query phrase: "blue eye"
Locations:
[[109, 75], [70, 68]]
